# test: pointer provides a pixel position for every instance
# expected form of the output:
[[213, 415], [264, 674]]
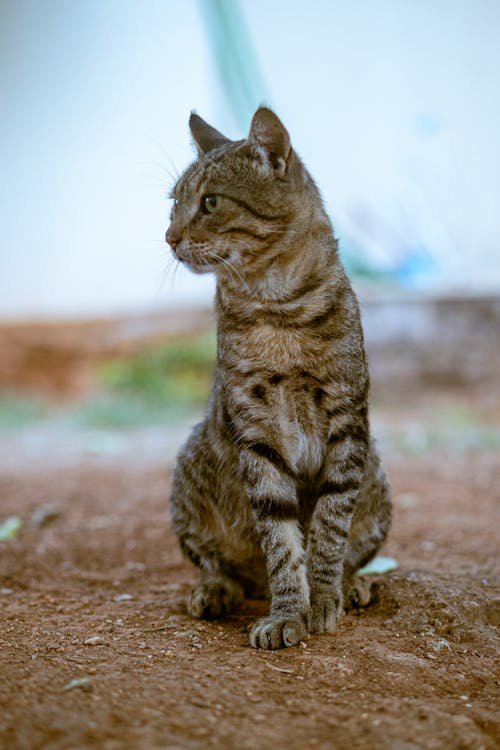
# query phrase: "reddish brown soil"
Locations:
[[416, 670]]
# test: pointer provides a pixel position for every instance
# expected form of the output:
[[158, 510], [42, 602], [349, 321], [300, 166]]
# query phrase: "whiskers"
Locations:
[[169, 269], [230, 267], [165, 176], [173, 172], [201, 258]]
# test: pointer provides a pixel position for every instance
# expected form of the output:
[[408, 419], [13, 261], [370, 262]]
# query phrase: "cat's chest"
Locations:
[[280, 349], [297, 429], [275, 396]]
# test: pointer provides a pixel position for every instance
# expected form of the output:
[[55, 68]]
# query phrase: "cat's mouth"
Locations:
[[198, 260]]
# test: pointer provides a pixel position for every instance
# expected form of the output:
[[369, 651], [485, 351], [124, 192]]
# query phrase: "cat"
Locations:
[[279, 491]]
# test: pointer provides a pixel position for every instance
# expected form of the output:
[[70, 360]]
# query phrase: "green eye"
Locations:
[[210, 203]]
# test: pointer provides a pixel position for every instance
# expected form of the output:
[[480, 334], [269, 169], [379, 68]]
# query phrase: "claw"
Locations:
[[272, 633], [326, 611]]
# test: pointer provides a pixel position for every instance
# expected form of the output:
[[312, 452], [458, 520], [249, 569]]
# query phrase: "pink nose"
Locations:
[[171, 238]]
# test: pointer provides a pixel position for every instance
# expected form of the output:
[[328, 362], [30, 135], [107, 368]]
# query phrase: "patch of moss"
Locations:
[[153, 386], [180, 372]]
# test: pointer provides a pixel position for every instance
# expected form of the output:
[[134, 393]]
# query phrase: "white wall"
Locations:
[[94, 93], [394, 105]]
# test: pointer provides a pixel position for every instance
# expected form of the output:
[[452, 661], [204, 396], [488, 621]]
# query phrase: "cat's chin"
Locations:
[[200, 267]]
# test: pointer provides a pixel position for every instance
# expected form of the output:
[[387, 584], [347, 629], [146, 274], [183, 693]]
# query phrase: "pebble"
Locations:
[[94, 640], [43, 515], [83, 683], [440, 644], [407, 499], [427, 545]]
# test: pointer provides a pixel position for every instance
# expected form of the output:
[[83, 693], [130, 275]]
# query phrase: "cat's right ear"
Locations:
[[268, 133], [205, 136]]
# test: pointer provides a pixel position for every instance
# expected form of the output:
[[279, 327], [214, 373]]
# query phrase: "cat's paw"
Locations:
[[278, 632], [213, 599], [326, 610], [359, 593]]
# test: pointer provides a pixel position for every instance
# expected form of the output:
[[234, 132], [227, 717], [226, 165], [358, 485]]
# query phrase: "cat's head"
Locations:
[[235, 204]]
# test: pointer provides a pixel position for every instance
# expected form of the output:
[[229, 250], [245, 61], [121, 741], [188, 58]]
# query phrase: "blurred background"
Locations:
[[393, 106]]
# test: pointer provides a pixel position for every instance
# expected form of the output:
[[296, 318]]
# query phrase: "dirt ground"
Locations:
[[96, 649], [93, 589]]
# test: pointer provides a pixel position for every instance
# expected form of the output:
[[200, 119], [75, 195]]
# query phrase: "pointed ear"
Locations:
[[268, 132], [205, 136]]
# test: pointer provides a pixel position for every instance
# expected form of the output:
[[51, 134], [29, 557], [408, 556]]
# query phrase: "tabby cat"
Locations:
[[279, 490]]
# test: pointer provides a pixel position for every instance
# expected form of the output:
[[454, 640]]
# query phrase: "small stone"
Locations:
[[83, 683], [427, 545], [94, 640], [407, 499], [440, 644], [43, 515], [123, 597]]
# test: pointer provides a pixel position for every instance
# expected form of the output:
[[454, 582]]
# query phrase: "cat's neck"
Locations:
[[299, 284], [304, 257]]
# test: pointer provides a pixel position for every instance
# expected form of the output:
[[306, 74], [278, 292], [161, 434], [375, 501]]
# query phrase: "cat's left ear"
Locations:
[[268, 133], [205, 136]]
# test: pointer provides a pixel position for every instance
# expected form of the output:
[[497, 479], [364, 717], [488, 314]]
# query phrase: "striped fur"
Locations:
[[279, 491]]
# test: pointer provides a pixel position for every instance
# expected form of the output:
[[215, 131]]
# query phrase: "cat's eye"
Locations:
[[210, 203]]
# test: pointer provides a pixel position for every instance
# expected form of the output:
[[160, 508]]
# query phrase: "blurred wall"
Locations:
[[95, 97], [393, 105]]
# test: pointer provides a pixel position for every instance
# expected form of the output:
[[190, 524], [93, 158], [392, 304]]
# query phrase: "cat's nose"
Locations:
[[171, 238]]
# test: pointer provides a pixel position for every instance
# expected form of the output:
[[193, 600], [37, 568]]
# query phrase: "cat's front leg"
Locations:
[[273, 497], [286, 624], [194, 516], [327, 544]]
